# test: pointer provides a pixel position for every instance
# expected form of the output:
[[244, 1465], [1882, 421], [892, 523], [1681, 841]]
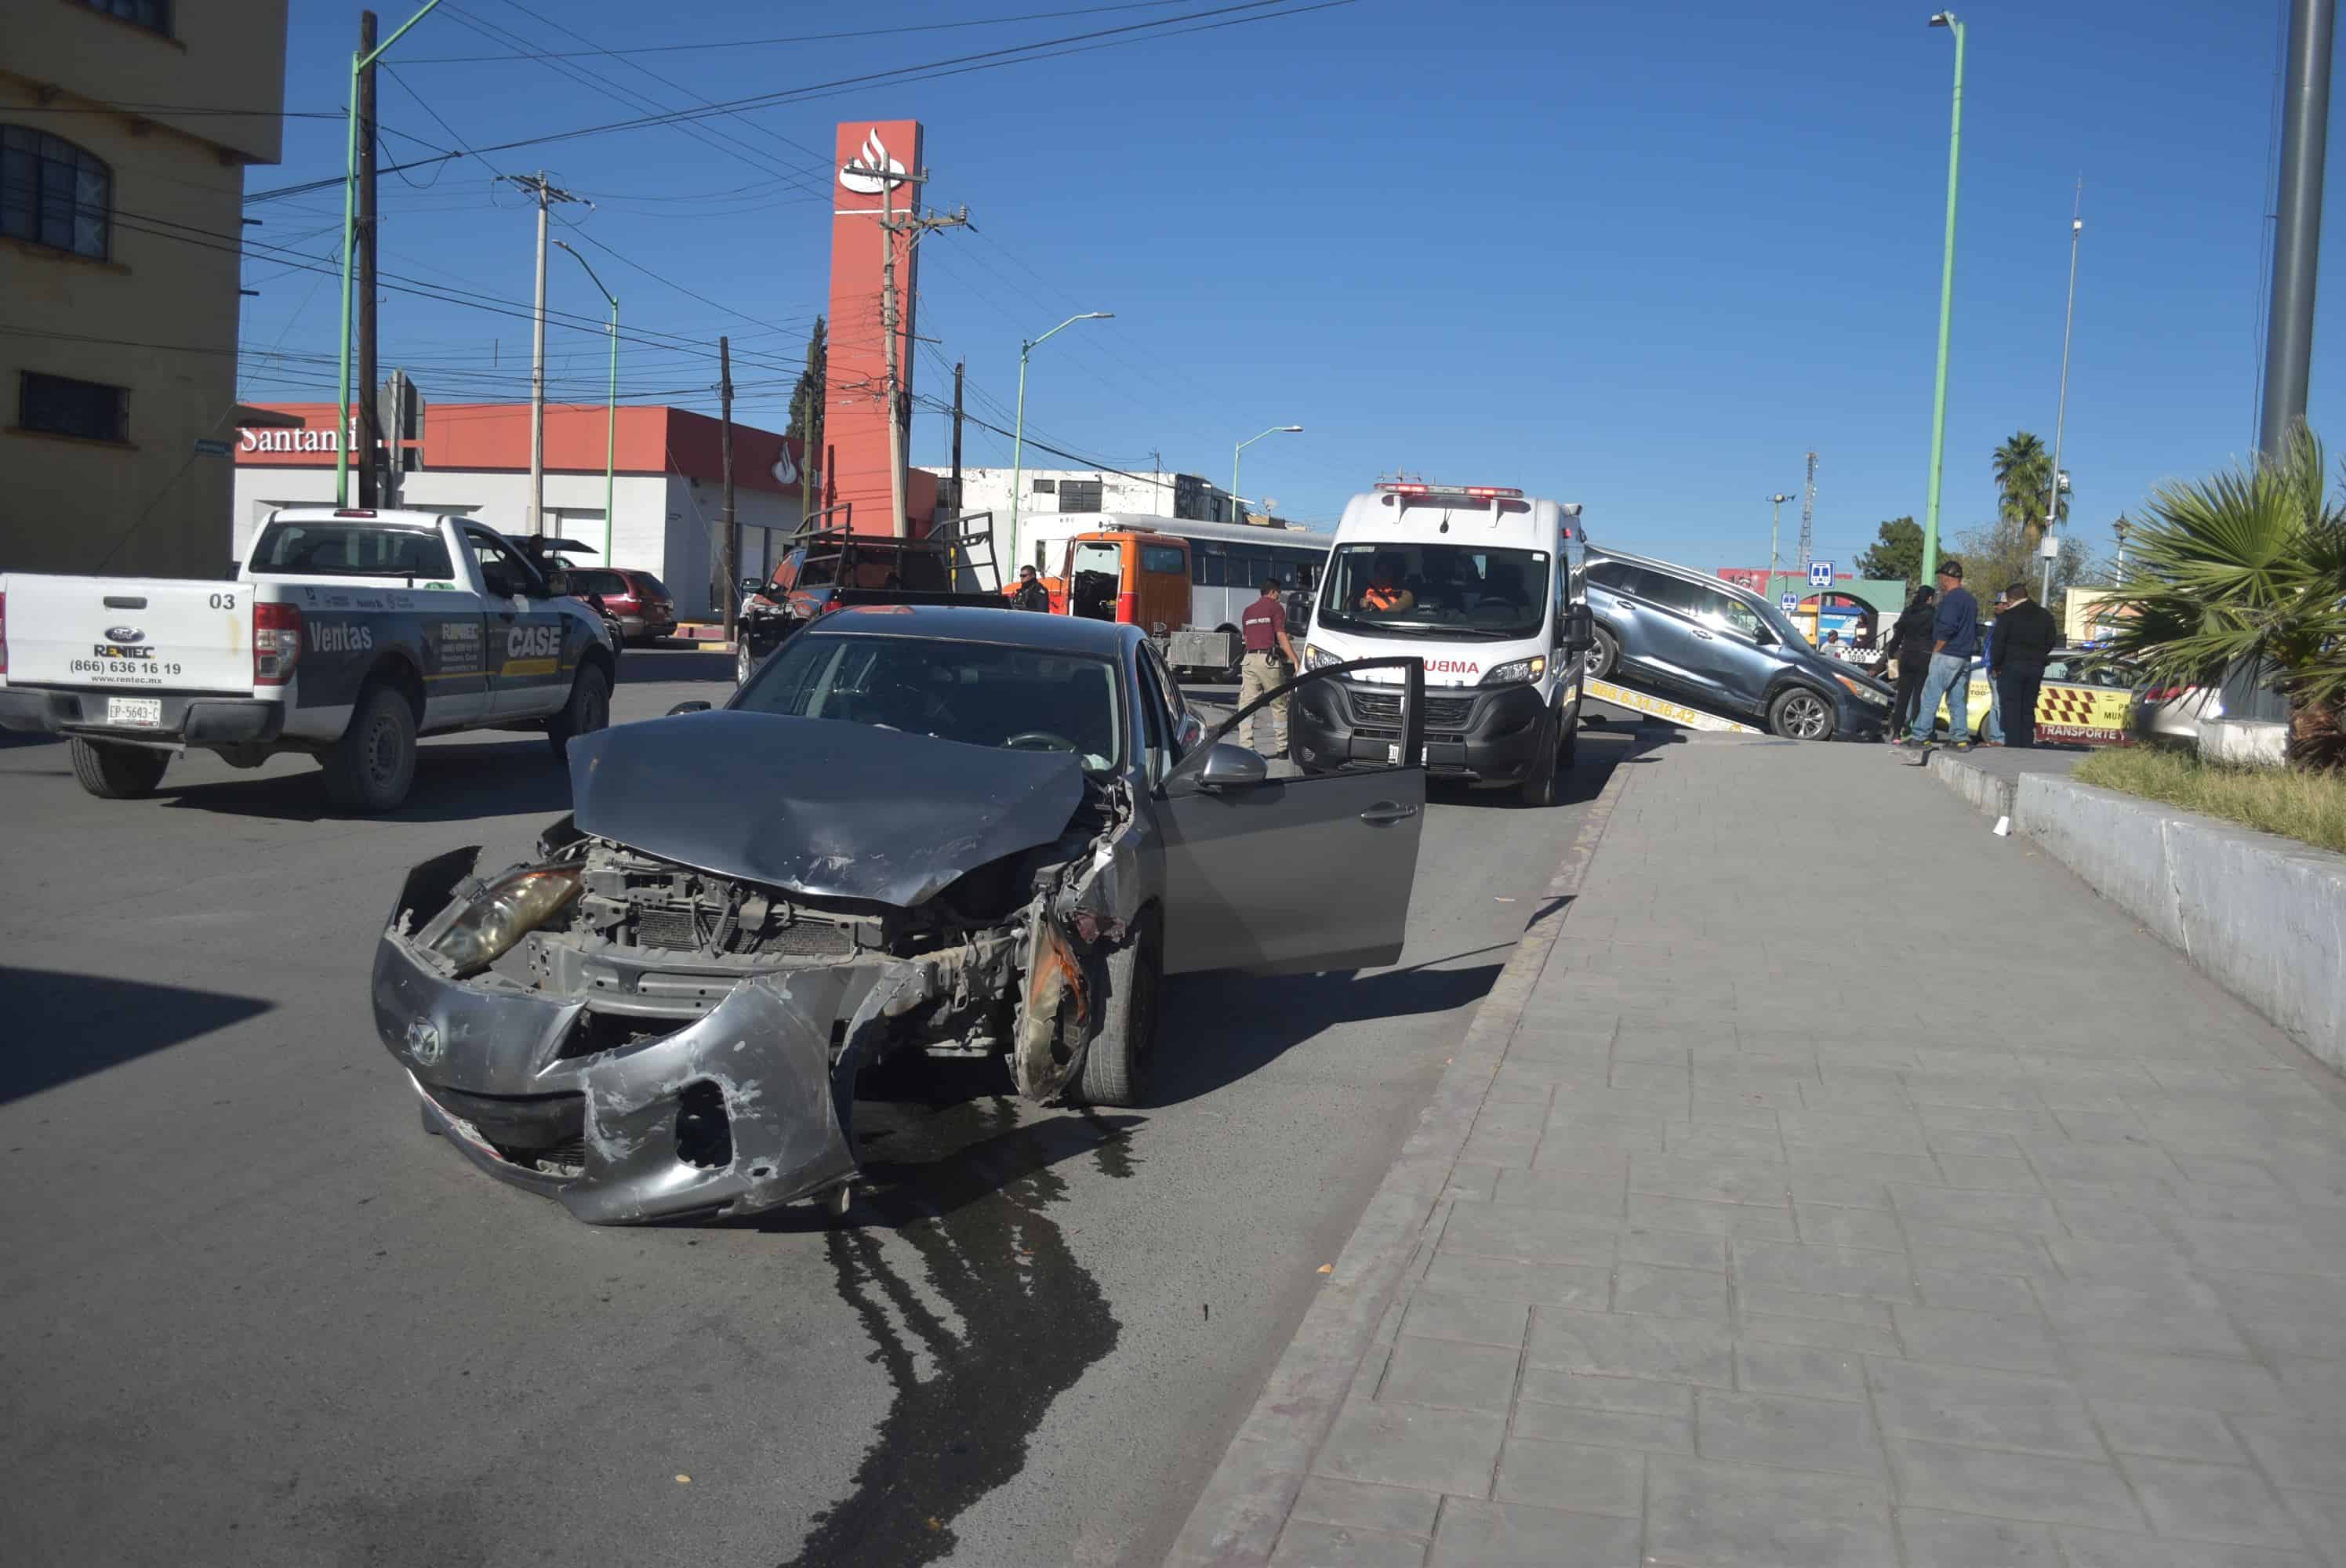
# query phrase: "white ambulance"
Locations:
[[1483, 584]]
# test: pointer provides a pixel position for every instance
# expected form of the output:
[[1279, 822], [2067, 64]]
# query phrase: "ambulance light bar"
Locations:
[[1479, 492]]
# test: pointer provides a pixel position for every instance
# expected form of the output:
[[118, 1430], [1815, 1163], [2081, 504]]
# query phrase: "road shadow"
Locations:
[[10, 739], [453, 783], [68, 1026], [1220, 1028]]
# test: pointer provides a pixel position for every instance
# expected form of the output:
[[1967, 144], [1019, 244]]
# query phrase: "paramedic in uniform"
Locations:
[[1269, 661]]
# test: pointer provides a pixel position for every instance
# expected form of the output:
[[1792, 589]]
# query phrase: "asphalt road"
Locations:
[[252, 1315]]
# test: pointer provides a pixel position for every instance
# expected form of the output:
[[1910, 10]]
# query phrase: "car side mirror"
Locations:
[[1232, 767], [557, 584], [1763, 638], [1576, 633], [688, 707], [750, 585]]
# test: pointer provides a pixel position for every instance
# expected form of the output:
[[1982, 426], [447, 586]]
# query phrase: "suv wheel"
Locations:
[[1801, 714], [1603, 654]]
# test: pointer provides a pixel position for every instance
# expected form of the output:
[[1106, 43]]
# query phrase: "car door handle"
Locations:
[[1704, 635], [1385, 811]]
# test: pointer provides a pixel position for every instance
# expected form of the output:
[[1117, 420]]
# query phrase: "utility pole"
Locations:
[[1775, 533], [369, 491], [2297, 238], [914, 225], [2061, 411], [958, 506], [733, 548], [546, 195]]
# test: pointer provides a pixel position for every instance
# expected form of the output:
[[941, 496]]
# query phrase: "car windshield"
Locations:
[[1435, 590], [979, 694], [350, 550]]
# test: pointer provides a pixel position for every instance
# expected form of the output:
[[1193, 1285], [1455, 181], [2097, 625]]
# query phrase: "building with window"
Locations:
[[126, 129], [667, 490], [1051, 490]]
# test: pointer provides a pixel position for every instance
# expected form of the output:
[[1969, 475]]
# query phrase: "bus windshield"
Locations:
[[1435, 590]]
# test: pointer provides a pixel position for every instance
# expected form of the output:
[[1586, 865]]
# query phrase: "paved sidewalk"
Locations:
[[1856, 1188]]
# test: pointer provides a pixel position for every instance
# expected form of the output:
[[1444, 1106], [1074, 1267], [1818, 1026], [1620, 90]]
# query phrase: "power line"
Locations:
[[801, 38], [960, 65]]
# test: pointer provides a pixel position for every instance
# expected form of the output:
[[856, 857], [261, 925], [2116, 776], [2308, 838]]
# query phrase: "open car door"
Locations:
[[1277, 874]]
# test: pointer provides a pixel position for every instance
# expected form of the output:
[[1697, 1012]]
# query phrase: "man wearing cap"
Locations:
[[1955, 643], [2023, 640]]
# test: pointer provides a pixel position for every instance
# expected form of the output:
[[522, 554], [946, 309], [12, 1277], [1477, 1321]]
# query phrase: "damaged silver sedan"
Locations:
[[943, 831]]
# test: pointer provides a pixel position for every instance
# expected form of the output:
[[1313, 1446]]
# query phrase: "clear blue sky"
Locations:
[[1632, 253]]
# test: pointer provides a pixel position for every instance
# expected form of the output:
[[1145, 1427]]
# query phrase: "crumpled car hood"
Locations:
[[815, 806]]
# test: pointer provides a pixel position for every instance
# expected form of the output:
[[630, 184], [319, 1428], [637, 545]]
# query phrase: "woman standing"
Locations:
[[1909, 645]]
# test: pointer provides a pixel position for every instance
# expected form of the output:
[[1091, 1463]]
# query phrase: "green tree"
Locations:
[[2246, 567], [1896, 551], [2001, 554], [806, 398], [2023, 473]]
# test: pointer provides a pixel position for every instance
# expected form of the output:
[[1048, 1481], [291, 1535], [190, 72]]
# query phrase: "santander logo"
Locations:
[[873, 156]]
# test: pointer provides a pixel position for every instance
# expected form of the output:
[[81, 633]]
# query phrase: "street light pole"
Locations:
[[1018, 426], [611, 409], [359, 62], [1775, 534], [2061, 413], [1947, 308], [1239, 449]]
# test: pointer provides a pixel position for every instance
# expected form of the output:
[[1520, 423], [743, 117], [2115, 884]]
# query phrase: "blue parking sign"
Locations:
[[1788, 603], [1821, 574]]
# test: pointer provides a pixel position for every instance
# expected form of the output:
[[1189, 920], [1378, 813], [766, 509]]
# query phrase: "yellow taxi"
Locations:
[[2084, 701]]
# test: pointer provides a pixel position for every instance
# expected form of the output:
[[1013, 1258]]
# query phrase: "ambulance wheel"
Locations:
[[1603, 653], [112, 771], [1117, 1068], [1801, 714], [1539, 787], [588, 709]]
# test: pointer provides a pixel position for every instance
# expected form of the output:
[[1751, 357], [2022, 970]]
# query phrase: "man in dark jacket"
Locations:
[[1955, 643], [1030, 594], [2018, 645]]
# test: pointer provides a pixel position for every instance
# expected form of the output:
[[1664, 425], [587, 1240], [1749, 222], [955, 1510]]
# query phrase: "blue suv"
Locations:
[[1717, 645]]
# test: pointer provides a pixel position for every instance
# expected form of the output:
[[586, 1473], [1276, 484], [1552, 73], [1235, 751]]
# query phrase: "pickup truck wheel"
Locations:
[[1122, 1056], [372, 766], [588, 709], [112, 771]]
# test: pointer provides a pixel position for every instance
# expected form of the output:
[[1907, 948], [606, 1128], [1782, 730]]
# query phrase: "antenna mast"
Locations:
[[1808, 518]]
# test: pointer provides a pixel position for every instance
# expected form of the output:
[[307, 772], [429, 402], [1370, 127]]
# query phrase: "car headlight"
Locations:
[[1862, 692], [1319, 658], [503, 913], [1515, 672]]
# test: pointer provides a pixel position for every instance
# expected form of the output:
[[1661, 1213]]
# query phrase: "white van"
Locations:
[[1482, 584]]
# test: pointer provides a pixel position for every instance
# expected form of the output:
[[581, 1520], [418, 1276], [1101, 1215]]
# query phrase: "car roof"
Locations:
[[1736, 590], [981, 624]]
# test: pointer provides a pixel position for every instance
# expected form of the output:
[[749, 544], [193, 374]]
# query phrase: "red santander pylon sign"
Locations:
[[870, 161]]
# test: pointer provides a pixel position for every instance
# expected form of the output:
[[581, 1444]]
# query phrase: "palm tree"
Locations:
[[2248, 566], [2023, 475]]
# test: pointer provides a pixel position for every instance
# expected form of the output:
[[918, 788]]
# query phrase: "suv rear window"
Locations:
[[650, 584], [350, 550]]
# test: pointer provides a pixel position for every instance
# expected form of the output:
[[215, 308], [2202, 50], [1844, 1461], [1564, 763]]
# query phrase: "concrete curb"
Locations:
[[2263, 917], [1238, 1517]]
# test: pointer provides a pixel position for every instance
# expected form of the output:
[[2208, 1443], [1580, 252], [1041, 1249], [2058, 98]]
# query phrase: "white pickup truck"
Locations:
[[347, 633]]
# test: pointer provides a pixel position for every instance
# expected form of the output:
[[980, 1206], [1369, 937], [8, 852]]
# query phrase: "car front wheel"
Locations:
[[1122, 1060], [1801, 714]]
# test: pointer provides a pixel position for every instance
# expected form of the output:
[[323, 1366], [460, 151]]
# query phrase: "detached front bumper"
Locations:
[[1486, 734]]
